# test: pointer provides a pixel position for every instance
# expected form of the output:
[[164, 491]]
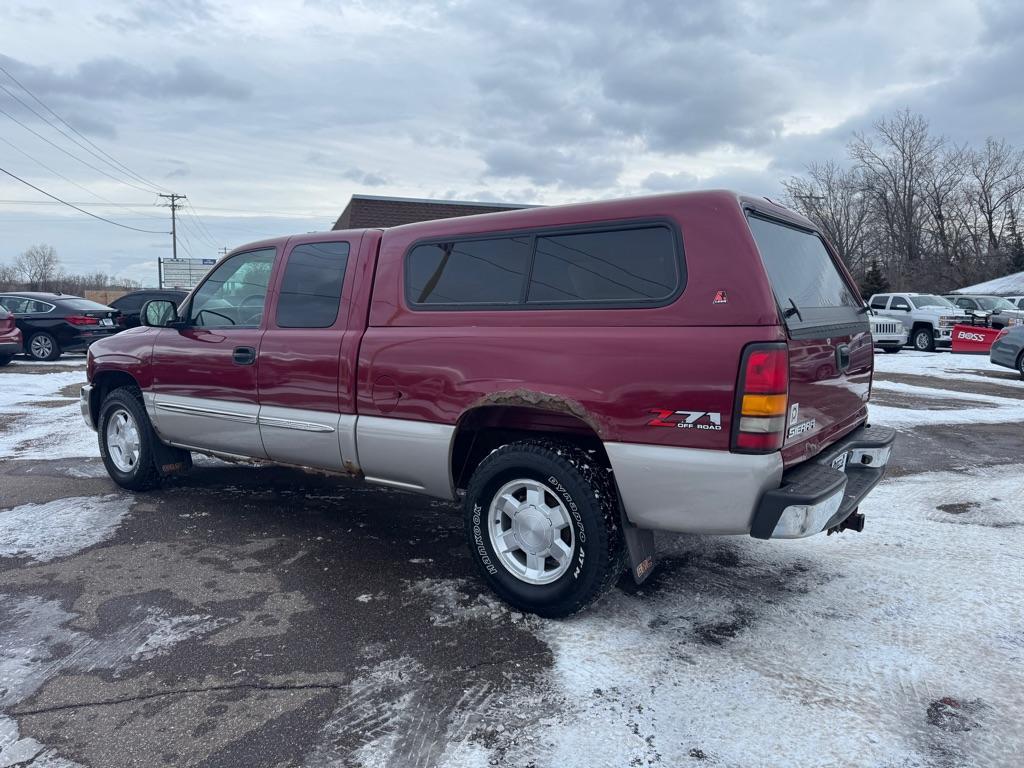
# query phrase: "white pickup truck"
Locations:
[[929, 319]]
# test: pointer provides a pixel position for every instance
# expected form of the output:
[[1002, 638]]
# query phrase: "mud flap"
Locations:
[[170, 460], [640, 545]]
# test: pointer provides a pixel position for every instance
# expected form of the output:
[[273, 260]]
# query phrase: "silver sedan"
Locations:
[[1008, 349]]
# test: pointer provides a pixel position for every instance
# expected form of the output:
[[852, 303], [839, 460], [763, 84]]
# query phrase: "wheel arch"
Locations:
[[103, 384], [486, 427]]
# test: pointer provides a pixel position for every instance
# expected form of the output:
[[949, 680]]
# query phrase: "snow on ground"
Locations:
[[59, 528], [992, 410], [902, 646], [975, 368], [38, 422]]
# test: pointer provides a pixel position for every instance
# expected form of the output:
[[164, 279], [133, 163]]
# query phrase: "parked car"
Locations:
[[573, 374], [928, 318], [130, 305], [997, 311], [54, 323], [10, 337], [1017, 301], [1008, 349], [888, 333]]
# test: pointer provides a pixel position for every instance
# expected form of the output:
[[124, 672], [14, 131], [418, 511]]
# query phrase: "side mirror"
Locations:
[[159, 313]]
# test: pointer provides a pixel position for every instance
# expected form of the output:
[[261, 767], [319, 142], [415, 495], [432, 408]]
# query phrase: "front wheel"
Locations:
[[127, 441], [892, 350], [43, 346], [924, 340], [542, 519]]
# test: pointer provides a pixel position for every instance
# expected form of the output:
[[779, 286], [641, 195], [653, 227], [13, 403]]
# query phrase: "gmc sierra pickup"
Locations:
[[579, 376]]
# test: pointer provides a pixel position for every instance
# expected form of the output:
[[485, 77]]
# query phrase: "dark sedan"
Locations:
[[54, 323], [130, 305], [1008, 349]]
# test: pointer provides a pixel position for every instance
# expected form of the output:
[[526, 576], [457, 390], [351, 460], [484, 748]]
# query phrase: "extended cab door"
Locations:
[[204, 375], [306, 361]]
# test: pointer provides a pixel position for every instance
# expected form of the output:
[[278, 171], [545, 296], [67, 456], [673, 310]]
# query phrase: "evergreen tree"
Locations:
[[874, 280]]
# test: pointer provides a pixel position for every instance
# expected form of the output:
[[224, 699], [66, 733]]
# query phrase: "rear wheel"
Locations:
[[43, 346], [542, 519], [924, 339], [127, 440]]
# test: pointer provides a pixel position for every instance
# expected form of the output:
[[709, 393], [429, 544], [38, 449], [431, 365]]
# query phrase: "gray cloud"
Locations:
[[285, 110], [118, 79], [139, 14]]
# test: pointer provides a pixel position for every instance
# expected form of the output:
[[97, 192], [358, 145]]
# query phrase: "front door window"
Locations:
[[234, 294]]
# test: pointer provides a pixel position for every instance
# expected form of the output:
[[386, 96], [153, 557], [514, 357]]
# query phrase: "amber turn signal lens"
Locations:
[[764, 405]]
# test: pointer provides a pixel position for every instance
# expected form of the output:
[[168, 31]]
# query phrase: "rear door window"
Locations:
[[808, 286], [310, 293]]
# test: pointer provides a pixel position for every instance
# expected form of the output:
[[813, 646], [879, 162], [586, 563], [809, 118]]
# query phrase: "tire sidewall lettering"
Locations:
[[478, 541]]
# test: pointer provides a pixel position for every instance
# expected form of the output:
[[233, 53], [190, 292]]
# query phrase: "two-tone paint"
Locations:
[[387, 390]]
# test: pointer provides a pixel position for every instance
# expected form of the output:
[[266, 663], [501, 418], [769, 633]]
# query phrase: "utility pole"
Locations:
[[174, 198], [223, 251]]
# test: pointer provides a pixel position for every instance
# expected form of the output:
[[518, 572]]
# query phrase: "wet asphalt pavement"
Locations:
[[263, 616]]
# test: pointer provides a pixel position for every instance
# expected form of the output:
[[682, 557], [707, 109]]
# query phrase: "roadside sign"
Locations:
[[183, 273]]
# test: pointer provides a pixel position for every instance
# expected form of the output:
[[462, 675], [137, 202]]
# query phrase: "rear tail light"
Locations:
[[6, 323], [762, 399], [82, 320]]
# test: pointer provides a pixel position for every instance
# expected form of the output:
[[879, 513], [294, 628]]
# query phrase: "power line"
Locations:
[[51, 170], [73, 156], [81, 210], [113, 162]]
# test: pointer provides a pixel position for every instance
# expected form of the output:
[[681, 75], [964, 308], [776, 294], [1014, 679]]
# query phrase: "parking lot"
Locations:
[[246, 616]]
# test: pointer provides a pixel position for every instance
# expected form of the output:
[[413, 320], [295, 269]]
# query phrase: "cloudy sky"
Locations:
[[268, 114]]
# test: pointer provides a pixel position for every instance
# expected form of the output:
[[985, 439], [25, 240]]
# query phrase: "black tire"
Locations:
[[924, 339], [892, 350], [575, 477], [5, 359], [1020, 365], [144, 474], [42, 346]]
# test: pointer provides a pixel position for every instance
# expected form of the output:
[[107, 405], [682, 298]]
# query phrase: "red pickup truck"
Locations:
[[579, 375]]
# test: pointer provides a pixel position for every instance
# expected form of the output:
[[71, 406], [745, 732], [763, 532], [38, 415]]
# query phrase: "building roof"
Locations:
[[1007, 285], [372, 211]]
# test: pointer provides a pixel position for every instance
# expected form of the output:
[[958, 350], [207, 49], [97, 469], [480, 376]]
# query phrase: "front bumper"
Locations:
[[84, 402], [822, 492]]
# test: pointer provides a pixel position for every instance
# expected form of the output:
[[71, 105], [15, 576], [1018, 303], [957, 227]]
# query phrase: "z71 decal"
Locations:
[[708, 420]]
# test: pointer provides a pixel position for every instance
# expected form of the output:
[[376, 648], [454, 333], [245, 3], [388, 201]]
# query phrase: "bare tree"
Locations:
[[895, 162], [39, 267], [8, 277], [833, 198], [998, 173]]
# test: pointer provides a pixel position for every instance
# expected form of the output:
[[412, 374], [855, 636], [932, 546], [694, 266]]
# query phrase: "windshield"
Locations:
[[927, 300], [991, 302]]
